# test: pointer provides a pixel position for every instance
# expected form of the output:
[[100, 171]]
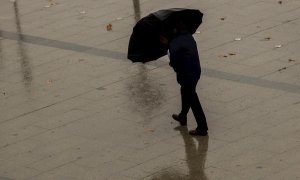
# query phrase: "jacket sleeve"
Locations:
[[175, 56]]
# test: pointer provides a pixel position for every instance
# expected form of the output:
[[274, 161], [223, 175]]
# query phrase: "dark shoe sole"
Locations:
[[181, 121]]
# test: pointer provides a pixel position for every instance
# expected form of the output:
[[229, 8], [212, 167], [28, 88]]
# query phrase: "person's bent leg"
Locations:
[[185, 101]]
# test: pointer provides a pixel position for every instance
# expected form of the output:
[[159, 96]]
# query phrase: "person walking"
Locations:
[[184, 59]]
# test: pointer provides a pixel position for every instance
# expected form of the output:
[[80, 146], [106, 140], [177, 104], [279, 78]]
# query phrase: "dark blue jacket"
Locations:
[[184, 58]]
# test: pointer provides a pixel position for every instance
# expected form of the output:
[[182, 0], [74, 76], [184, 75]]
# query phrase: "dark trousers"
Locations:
[[189, 99]]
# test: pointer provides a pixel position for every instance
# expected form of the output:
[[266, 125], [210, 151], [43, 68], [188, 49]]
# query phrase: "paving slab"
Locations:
[[72, 106]]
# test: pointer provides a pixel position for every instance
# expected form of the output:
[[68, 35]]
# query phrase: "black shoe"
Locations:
[[182, 121], [198, 133]]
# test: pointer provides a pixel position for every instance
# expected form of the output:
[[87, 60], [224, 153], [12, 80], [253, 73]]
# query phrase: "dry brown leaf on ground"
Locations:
[[266, 39], [51, 4], [292, 60], [227, 55], [49, 82], [109, 27], [151, 130], [222, 56], [281, 69]]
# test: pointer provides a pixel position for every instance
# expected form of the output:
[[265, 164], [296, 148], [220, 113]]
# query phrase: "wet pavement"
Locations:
[[73, 107]]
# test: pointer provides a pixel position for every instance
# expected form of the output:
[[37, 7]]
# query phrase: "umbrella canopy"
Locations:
[[145, 42]]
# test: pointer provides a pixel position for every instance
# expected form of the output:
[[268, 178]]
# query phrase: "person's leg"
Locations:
[[198, 113], [185, 101], [185, 106]]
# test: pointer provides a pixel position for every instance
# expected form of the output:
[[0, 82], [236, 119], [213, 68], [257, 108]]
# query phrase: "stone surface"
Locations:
[[73, 107]]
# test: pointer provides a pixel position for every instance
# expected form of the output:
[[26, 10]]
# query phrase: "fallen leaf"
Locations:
[[266, 39], [49, 81], [220, 56], [109, 27], [231, 54], [292, 60], [151, 130], [284, 68], [51, 4], [222, 19]]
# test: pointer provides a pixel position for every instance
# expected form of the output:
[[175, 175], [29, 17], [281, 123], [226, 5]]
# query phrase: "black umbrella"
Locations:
[[145, 42]]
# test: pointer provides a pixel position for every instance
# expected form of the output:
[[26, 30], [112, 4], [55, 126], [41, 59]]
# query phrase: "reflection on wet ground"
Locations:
[[195, 154], [1, 52], [137, 10], [146, 95], [24, 59], [195, 158]]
